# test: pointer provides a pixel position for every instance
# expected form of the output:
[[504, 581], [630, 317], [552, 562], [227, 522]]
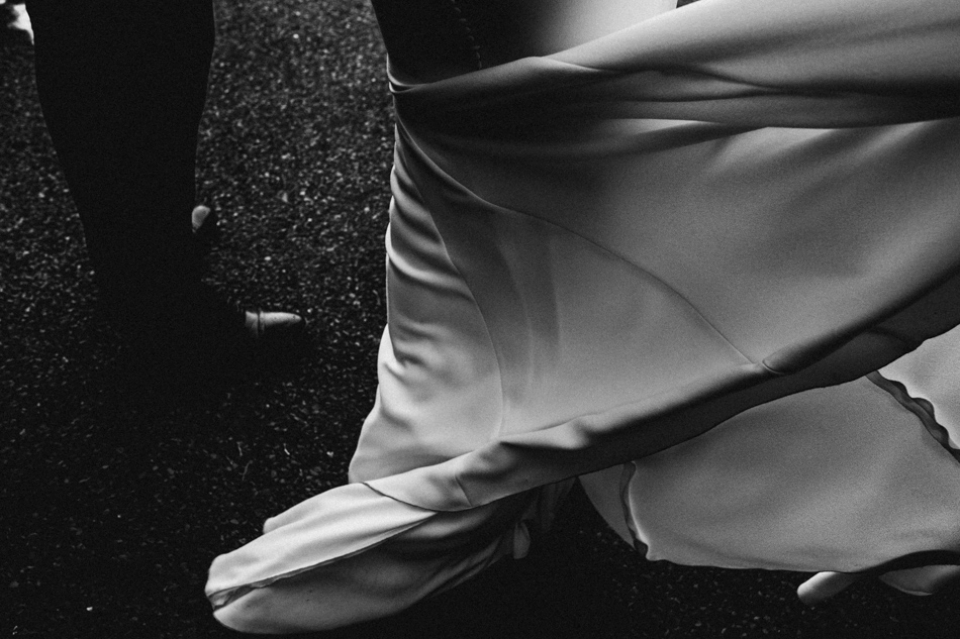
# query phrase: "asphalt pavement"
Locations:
[[114, 500]]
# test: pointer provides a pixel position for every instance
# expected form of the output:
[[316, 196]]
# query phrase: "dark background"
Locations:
[[114, 498]]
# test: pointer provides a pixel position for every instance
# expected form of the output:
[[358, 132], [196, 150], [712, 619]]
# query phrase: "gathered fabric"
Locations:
[[707, 264]]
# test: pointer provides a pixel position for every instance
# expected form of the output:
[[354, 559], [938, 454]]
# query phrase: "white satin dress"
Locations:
[[708, 264]]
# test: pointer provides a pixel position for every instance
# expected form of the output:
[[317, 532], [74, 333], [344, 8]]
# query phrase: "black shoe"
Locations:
[[277, 338], [195, 356]]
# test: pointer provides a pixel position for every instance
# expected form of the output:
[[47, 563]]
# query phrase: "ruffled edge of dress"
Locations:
[[919, 406]]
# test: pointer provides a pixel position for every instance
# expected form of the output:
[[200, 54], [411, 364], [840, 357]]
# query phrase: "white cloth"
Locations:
[[598, 255]]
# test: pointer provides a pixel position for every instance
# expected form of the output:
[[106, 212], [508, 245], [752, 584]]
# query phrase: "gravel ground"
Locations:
[[114, 501]]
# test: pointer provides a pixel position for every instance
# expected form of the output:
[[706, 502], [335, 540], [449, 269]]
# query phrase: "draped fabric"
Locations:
[[670, 261]]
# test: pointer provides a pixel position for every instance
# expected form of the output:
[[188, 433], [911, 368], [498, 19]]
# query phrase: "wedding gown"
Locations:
[[707, 264]]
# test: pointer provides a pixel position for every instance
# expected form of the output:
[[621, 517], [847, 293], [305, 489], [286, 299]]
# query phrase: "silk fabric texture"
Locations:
[[669, 261]]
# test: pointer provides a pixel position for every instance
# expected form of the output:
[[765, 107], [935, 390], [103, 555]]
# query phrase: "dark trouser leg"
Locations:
[[122, 85]]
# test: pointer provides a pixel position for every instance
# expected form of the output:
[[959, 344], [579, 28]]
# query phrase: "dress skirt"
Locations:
[[708, 264]]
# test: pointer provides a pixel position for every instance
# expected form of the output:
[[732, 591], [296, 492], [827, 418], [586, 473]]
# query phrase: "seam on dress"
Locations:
[[468, 32], [621, 258], [369, 485]]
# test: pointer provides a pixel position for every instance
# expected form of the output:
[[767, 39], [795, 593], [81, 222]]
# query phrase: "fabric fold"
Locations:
[[676, 249], [288, 547]]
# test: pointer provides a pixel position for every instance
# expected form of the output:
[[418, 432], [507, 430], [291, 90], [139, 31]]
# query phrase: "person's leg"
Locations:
[[122, 86]]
